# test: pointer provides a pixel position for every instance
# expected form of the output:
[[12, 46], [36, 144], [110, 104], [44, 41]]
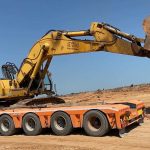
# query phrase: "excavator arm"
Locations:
[[33, 69]]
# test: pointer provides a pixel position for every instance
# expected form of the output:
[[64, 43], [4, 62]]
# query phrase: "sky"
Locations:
[[23, 22]]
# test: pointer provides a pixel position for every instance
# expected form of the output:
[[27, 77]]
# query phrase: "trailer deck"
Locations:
[[96, 120]]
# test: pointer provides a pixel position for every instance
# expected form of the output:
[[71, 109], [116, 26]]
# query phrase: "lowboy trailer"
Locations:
[[96, 120]]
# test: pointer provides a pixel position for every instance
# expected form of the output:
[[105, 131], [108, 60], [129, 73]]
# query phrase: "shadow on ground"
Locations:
[[80, 131], [148, 110]]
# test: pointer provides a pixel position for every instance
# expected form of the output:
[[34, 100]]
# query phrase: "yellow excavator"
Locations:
[[28, 81]]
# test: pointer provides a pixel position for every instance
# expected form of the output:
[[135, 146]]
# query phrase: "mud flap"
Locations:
[[122, 132], [141, 121]]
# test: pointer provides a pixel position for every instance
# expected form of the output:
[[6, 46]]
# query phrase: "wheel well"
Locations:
[[7, 115], [60, 111], [30, 113]]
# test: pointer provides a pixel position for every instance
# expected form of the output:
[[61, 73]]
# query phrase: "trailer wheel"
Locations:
[[7, 126], [61, 123], [95, 123], [31, 124]]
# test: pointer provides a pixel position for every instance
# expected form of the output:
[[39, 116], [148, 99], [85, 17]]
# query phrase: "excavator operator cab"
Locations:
[[9, 71], [48, 84]]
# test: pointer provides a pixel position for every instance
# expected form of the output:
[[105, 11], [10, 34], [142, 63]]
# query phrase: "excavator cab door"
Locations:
[[48, 84]]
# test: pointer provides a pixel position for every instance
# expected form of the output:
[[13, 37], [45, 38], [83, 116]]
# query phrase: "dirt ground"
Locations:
[[137, 138]]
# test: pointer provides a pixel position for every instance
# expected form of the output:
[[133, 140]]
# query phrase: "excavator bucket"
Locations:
[[146, 27]]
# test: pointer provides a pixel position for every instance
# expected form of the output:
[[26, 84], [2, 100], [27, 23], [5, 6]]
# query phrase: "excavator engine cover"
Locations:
[[146, 26]]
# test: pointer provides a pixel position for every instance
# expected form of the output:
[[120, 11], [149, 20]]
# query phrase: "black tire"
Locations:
[[95, 123], [61, 123], [31, 124], [7, 126]]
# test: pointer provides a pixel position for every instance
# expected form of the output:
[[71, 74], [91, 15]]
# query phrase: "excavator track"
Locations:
[[32, 103]]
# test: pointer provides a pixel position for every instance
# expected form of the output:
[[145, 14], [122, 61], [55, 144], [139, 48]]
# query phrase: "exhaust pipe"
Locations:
[[146, 27]]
